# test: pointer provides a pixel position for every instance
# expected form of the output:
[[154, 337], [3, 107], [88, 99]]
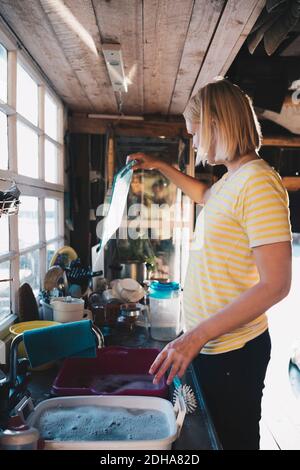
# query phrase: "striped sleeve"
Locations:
[[263, 210]]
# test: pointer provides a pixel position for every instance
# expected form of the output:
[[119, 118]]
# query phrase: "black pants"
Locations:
[[232, 384]]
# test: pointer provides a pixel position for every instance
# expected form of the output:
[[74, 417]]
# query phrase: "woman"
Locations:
[[239, 265]]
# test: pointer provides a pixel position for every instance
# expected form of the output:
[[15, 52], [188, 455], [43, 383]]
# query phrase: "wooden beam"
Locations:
[[12, 119], [155, 126], [237, 20], [122, 23], [30, 23], [147, 128], [291, 183], [281, 141], [205, 17], [166, 24], [111, 161], [79, 237], [76, 29]]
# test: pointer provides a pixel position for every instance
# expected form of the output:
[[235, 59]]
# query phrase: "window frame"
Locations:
[[29, 186]]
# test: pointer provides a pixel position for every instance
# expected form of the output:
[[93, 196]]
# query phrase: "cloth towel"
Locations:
[[75, 339]]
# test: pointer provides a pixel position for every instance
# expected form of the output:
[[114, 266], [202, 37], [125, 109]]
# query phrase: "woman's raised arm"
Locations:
[[190, 186]]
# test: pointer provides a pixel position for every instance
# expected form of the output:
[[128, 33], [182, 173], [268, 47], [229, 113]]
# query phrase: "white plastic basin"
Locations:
[[175, 420]]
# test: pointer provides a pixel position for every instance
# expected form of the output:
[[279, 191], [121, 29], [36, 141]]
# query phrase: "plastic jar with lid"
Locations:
[[165, 310]]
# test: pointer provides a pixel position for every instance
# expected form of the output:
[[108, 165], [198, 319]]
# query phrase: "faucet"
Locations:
[[13, 385]]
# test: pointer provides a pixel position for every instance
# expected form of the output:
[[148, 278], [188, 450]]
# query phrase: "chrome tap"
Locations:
[[13, 386]]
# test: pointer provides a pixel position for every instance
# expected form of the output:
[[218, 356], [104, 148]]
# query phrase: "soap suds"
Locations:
[[94, 423]]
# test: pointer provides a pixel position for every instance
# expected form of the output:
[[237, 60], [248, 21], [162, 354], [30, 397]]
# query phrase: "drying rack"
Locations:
[[10, 206]]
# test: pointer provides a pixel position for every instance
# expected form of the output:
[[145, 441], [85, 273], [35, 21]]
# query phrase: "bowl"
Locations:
[[19, 328], [128, 290]]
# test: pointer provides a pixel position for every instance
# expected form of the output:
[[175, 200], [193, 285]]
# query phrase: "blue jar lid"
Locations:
[[164, 286]]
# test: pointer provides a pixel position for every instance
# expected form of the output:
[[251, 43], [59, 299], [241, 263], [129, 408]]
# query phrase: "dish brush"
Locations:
[[187, 393]]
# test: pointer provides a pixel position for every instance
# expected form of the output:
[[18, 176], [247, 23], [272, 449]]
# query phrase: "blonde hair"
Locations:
[[224, 113]]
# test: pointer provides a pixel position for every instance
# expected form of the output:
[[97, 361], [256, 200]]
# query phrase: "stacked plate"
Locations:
[[127, 290]]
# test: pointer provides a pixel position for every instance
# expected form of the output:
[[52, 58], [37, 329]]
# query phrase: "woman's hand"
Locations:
[[145, 162], [178, 355]]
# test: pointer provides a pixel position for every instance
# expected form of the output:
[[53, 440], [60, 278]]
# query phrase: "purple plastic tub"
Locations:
[[115, 371]]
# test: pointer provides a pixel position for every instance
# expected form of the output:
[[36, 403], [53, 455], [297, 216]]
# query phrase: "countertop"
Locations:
[[197, 433]]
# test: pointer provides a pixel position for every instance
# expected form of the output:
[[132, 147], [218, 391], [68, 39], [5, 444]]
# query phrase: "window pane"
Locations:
[[3, 73], [51, 162], [27, 141], [51, 208], [51, 117], [30, 270], [3, 142], [28, 222], [4, 290], [4, 235], [27, 96], [51, 249]]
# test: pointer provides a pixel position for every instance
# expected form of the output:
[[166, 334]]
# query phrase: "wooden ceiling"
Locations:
[[170, 47]]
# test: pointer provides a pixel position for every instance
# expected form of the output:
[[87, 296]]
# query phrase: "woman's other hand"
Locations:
[[177, 355], [144, 162]]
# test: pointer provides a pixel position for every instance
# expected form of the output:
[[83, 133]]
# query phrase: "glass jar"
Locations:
[[165, 310], [19, 436]]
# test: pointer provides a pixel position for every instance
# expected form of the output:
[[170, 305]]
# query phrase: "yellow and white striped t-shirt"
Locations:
[[247, 210]]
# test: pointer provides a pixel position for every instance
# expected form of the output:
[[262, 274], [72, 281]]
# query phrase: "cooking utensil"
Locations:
[[129, 315], [67, 309], [9, 201]]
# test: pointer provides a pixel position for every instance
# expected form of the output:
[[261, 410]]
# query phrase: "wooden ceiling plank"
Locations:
[[203, 23], [166, 24], [121, 22], [29, 22], [75, 26], [243, 36], [238, 17]]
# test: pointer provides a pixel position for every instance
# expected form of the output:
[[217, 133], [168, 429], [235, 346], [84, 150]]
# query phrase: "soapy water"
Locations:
[[95, 423], [164, 333], [120, 383]]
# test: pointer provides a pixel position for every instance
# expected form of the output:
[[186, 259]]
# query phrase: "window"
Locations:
[[27, 96], [31, 154], [3, 142], [51, 117], [30, 270], [3, 73], [51, 209], [28, 222], [28, 149], [5, 308], [51, 162], [52, 228], [4, 236], [51, 249]]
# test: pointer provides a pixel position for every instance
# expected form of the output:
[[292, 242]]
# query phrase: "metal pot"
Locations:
[[136, 271]]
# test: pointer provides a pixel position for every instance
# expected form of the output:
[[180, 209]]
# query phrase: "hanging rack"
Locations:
[[9, 199]]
